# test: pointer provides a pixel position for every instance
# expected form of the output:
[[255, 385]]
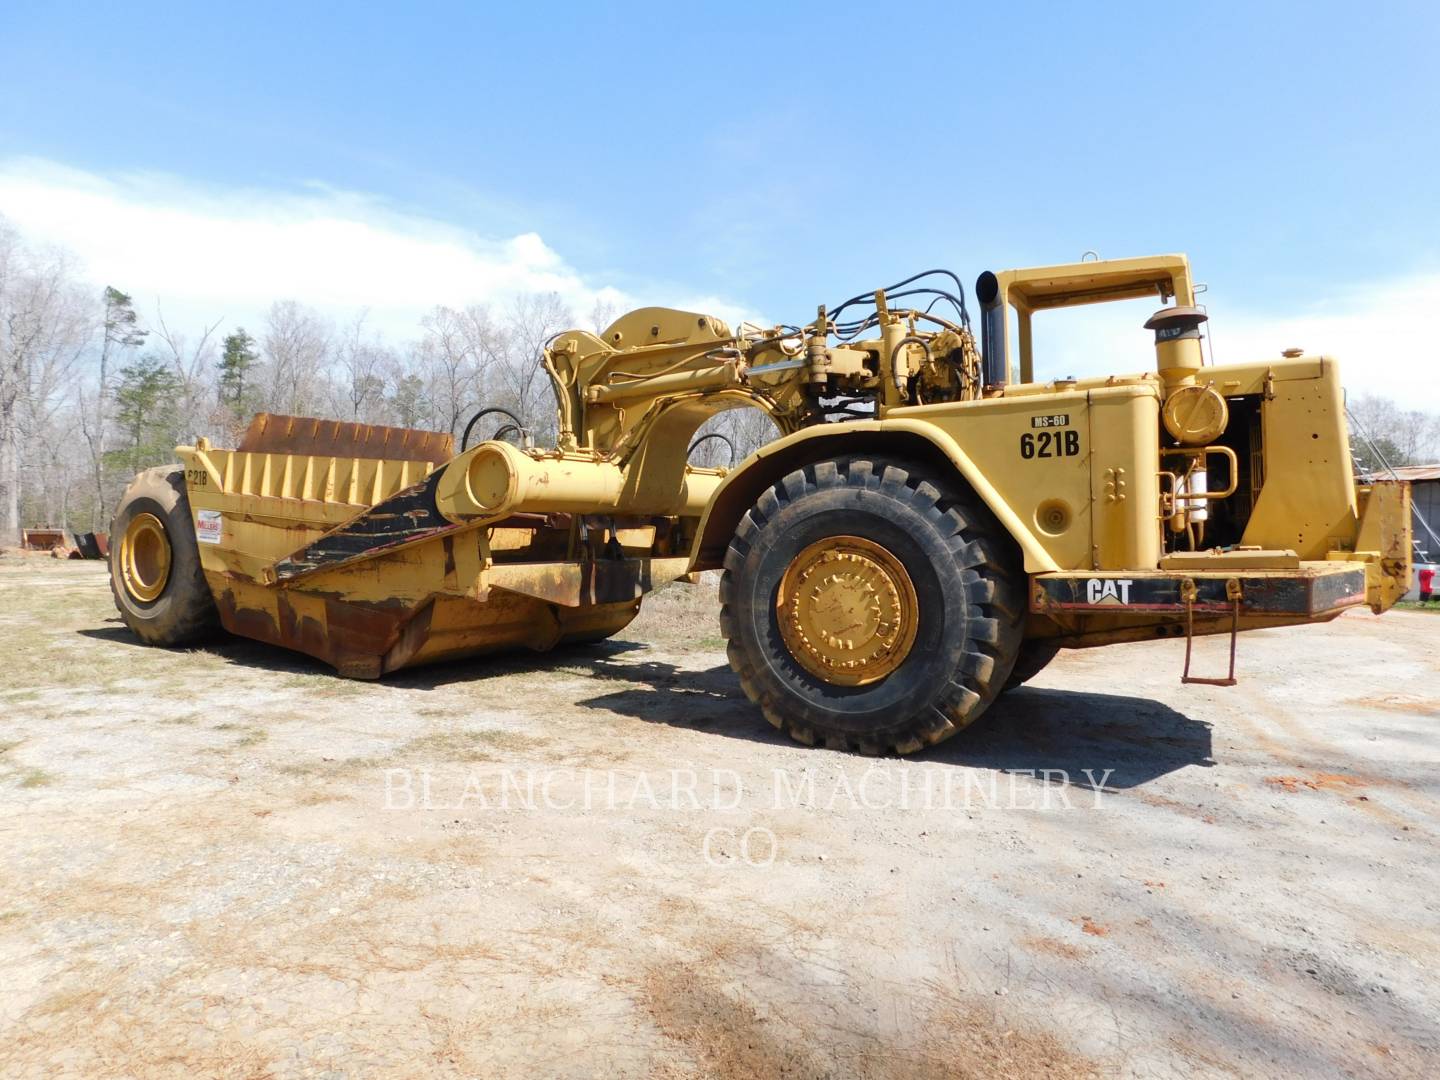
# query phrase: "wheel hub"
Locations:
[[847, 610], [145, 558]]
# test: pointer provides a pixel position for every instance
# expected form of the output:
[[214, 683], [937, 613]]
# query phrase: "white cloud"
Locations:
[[1383, 333], [207, 254]]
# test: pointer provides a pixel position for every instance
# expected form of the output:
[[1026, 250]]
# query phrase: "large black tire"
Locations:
[[183, 612], [969, 591], [1035, 654]]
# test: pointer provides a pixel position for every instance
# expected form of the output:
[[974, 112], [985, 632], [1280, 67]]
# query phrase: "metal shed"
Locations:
[[1425, 502]]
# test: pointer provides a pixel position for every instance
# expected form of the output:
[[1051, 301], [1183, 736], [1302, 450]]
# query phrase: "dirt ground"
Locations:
[[230, 862]]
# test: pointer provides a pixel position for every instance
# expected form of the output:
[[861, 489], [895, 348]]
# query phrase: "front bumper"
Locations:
[[1311, 590]]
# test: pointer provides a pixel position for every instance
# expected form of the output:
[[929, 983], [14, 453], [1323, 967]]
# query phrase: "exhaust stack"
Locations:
[[994, 351]]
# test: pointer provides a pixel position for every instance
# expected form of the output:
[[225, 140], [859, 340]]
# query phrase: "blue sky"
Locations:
[[764, 157]]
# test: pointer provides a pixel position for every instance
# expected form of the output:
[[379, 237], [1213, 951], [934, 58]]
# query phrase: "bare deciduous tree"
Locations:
[[455, 352], [192, 366], [46, 322], [363, 365], [523, 385], [1401, 436], [602, 314], [296, 346]]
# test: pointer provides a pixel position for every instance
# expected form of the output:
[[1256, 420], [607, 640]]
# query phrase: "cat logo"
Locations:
[[1108, 591]]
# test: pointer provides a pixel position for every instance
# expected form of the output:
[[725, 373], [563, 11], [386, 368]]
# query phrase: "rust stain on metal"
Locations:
[[272, 433], [42, 539], [600, 581], [412, 636], [352, 638]]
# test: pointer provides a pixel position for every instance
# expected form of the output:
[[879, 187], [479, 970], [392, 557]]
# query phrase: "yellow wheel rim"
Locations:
[[847, 611], [145, 557]]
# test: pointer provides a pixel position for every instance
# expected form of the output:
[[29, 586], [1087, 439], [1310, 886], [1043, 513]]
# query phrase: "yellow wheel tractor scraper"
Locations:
[[929, 529]]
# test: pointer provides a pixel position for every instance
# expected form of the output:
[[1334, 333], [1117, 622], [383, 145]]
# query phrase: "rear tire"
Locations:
[[155, 574], [921, 590]]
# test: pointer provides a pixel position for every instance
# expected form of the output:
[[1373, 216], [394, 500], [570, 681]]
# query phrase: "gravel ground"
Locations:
[[598, 862]]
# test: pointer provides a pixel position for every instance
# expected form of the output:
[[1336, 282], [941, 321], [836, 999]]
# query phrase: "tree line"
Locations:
[[1383, 434], [92, 391]]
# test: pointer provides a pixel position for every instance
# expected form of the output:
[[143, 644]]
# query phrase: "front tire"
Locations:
[[1035, 654], [870, 607], [155, 574]]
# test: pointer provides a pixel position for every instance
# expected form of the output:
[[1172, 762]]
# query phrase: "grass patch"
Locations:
[[326, 684], [330, 768], [1414, 605], [679, 616], [344, 688], [249, 736], [476, 745], [320, 798], [578, 670]]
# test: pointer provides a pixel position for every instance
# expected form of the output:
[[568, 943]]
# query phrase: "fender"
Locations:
[[908, 438]]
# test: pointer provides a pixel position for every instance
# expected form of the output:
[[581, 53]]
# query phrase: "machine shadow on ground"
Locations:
[[272, 658], [1033, 728], [1026, 730]]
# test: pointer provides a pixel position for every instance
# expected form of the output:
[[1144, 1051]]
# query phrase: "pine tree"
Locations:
[[239, 360], [122, 332], [145, 401], [121, 322]]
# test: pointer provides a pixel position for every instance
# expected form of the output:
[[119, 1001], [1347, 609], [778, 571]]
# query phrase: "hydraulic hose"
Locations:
[[470, 427]]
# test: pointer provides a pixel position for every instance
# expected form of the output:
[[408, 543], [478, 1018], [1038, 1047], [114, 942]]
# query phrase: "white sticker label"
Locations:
[[208, 525]]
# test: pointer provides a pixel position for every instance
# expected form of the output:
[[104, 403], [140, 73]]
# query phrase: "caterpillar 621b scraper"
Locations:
[[930, 527]]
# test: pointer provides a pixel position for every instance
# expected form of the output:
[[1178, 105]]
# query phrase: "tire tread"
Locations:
[[993, 577], [188, 615]]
